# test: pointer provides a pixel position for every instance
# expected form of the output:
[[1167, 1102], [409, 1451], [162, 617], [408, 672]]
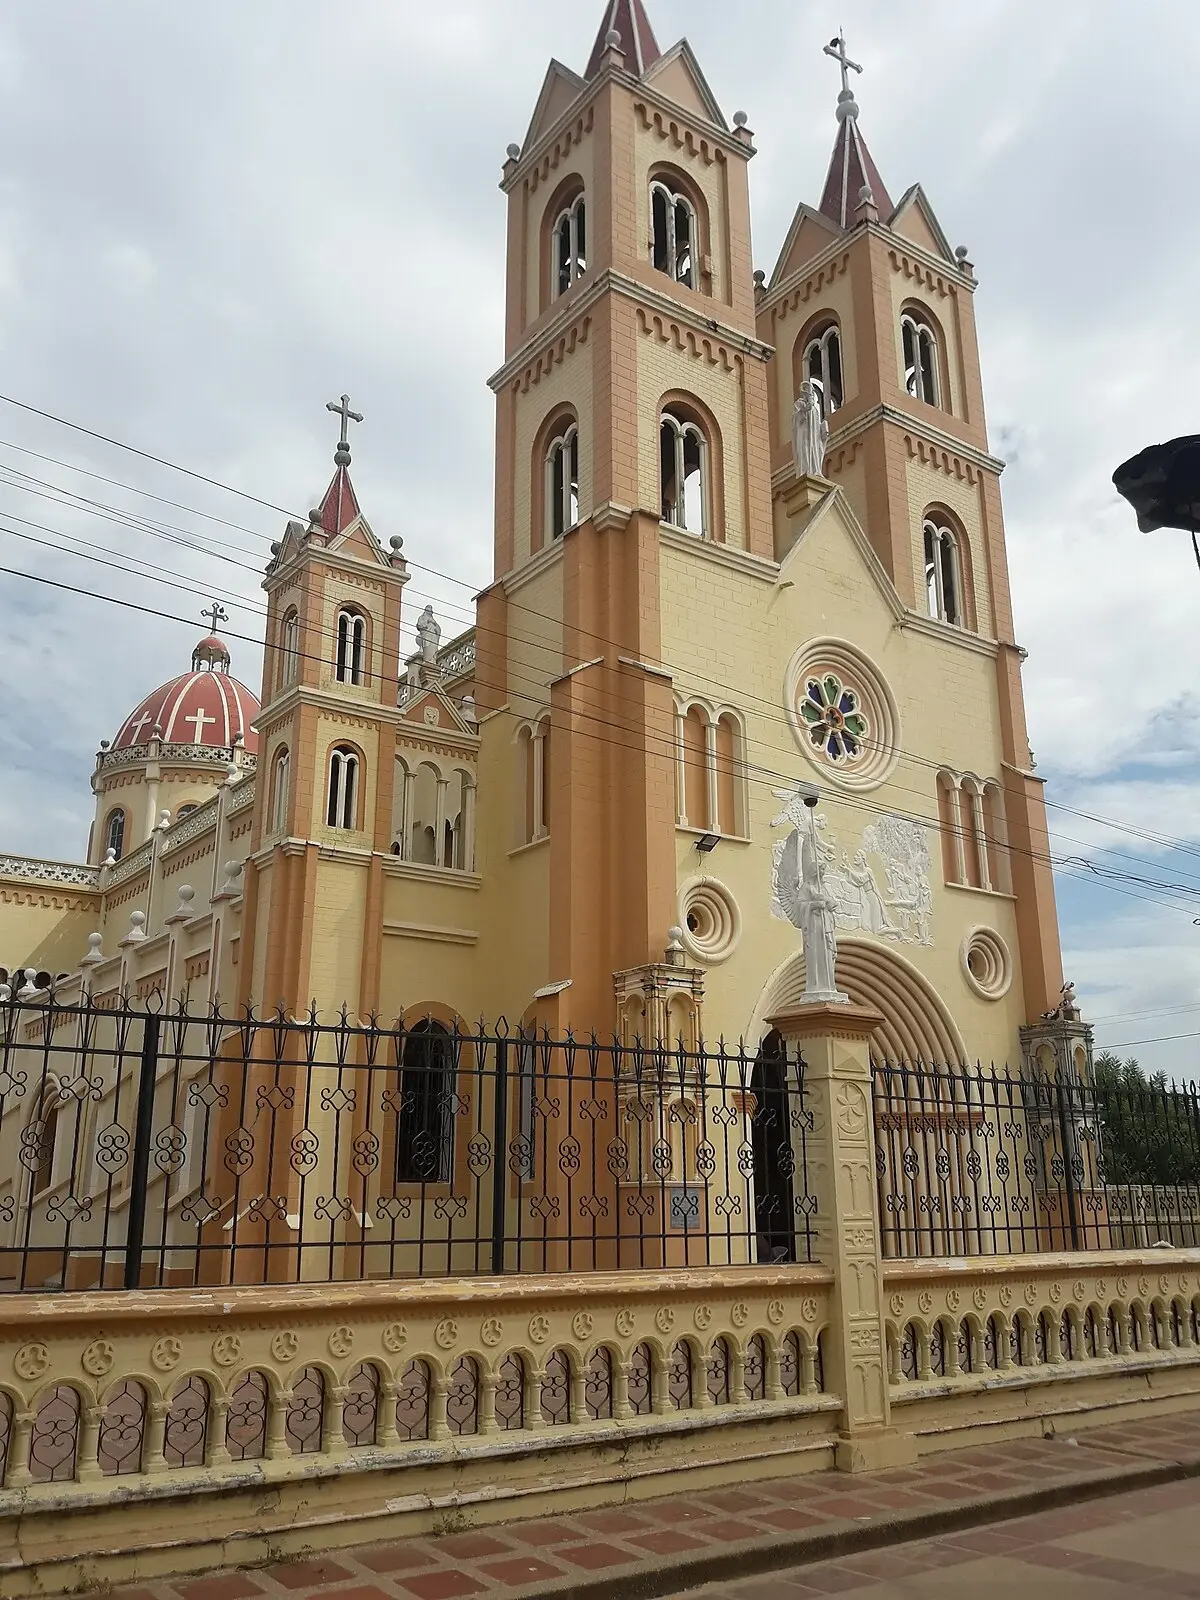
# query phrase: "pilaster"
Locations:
[[833, 1040]]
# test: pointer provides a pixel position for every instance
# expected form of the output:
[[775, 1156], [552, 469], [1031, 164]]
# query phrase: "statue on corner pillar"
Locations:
[[810, 432]]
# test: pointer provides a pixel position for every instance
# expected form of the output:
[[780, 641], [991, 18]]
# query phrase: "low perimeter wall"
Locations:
[[191, 1428]]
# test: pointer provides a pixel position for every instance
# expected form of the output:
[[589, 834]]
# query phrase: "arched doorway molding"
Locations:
[[916, 1025]]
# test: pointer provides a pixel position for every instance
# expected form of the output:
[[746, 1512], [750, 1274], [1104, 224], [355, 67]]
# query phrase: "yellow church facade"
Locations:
[[573, 814]]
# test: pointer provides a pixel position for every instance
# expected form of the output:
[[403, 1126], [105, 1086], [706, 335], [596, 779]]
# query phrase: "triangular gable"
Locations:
[[290, 546], [359, 541], [677, 75], [914, 218], [835, 505], [433, 709], [809, 234], [560, 89]]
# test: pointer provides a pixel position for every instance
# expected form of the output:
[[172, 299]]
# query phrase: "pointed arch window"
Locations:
[[342, 810], [570, 245], [282, 783], [943, 572], [289, 666], [920, 359], [114, 833], [673, 241], [562, 481], [425, 1128], [683, 459], [351, 646], [46, 1131], [823, 366]]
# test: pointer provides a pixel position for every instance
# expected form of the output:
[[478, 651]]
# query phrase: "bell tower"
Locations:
[[870, 305], [631, 412], [324, 801]]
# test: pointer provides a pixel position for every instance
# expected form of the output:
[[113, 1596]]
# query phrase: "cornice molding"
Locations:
[[947, 633], [722, 554], [921, 429], [795, 282], [734, 341], [548, 556]]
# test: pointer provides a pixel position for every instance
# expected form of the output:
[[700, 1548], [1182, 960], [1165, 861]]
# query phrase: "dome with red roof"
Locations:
[[204, 706]]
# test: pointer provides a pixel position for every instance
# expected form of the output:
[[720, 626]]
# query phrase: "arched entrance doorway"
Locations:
[[774, 1158]]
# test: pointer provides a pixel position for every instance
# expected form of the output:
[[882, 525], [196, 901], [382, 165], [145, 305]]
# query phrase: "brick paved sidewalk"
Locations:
[[658, 1547], [1124, 1547]]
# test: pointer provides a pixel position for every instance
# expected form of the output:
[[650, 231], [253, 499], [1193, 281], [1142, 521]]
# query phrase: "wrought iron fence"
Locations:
[[156, 1147], [977, 1162]]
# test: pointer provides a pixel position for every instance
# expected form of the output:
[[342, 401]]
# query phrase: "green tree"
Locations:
[[1150, 1130]]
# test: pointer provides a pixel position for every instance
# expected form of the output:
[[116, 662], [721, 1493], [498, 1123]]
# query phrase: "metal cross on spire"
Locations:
[[837, 49], [215, 614], [342, 454]]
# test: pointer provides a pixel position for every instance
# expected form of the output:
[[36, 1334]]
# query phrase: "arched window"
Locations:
[[823, 366], [342, 811], [424, 1128], [351, 646], [279, 800], [673, 242], [570, 245], [943, 572], [289, 665], [185, 811], [46, 1129], [920, 359], [114, 833], [562, 481], [683, 461]]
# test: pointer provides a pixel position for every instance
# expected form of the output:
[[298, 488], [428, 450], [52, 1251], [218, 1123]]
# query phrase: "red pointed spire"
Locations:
[[340, 505], [850, 170], [638, 43]]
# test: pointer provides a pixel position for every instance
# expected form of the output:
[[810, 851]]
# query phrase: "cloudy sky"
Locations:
[[214, 217]]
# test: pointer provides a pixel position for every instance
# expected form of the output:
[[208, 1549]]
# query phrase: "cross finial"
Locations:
[[342, 454], [837, 49], [215, 614]]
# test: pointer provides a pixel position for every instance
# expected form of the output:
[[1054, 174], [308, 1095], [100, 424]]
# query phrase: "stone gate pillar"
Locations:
[[834, 1041]]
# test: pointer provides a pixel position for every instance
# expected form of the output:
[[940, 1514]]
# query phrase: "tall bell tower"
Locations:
[[630, 338]]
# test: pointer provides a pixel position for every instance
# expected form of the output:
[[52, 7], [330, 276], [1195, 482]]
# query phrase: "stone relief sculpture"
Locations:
[[882, 888]]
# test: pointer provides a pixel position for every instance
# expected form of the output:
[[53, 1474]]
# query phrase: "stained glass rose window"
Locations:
[[834, 718]]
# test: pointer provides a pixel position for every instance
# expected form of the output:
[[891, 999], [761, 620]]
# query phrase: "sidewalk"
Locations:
[[668, 1546]]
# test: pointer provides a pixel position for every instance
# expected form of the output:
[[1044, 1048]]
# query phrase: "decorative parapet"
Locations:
[[190, 827], [241, 798], [983, 1323], [209, 755], [442, 1394], [129, 866], [66, 873]]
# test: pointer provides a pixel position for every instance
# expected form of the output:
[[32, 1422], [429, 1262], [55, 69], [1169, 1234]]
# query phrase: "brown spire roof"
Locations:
[[340, 505], [638, 43], [850, 168]]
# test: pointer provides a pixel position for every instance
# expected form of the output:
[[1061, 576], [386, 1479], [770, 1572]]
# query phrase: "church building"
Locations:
[[748, 541]]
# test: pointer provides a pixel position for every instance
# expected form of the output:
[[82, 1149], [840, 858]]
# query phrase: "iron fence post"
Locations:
[[1067, 1150], [143, 1134], [499, 1144]]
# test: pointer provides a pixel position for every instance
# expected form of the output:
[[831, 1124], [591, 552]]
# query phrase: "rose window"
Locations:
[[833, 718]]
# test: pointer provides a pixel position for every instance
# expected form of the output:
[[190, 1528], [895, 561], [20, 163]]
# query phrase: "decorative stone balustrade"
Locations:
[[161, 1391], [974, 1323], [129, 866], [66, 873]]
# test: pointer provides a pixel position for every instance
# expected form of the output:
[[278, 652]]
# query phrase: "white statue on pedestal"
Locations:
[[429, 636], [810, 432], [800, 891]]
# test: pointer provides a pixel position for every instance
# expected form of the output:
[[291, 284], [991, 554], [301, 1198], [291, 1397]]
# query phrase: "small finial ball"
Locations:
[[612, 39], [275, 548], [513, 152], [760, 279], [397, 544], [847, 106], [960, 252], [314, 517], [186, 894], [675, 935], [137, 920], [740, 119]]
